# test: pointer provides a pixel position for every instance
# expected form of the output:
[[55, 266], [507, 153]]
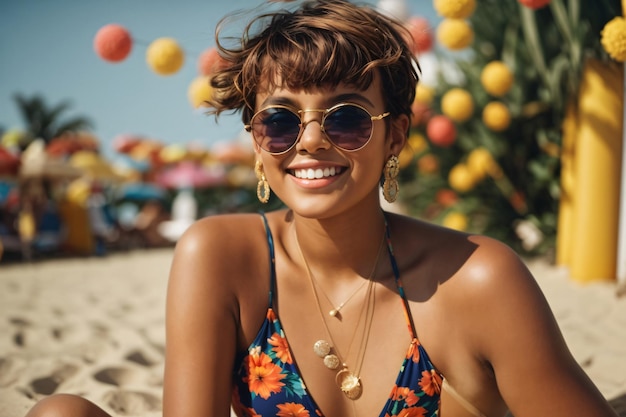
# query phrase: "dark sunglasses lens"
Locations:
[[349, 127], [275, 130]]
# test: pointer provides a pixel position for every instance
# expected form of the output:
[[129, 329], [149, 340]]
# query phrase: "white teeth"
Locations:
[[311, 174]]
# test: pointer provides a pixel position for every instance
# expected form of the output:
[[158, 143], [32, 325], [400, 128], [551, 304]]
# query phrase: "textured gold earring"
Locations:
[[390, 183], [262, 187]]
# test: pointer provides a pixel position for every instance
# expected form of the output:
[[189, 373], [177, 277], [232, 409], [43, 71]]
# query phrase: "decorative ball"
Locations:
[[535, 4], [199, 92], [457, 104], [441, 131], [209, 61], [496, 116], [614, 38], [455, 220], [112, 43], [455, 9], [455, 34], [165, 56], [496, 78], [461, 178], [421, 34]]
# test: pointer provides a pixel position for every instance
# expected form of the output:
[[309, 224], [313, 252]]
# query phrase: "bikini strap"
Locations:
[[396, 272], [272, 258]]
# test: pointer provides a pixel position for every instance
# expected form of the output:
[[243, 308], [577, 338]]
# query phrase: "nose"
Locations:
[[312, 138]]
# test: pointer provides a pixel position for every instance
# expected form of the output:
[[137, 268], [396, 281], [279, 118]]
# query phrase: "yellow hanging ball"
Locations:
[[457, 104], [165, 56], [496, 78], [199, 92], [455, 34], [496, 116], [455, 9], [455, 220]]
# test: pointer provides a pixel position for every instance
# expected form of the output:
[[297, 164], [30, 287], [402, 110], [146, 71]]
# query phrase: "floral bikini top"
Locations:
[[267, 381]]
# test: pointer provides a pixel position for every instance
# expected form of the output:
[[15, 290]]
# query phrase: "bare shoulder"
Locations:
[[219, 253]]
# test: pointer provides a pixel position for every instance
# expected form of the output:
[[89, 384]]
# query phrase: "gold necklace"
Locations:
[[349, 382], [335, 312]]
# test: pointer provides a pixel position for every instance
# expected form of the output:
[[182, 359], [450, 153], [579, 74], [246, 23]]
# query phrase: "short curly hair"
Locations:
[[320, 44]]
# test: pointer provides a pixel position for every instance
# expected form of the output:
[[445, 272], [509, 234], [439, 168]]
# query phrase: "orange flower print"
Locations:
[[412, 412], [431, 382], [292, 410], [414, 352], [281, 348], [263, 376], [405, 394]]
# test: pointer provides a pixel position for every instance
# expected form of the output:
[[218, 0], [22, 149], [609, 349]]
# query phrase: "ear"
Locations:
[[398, 134]]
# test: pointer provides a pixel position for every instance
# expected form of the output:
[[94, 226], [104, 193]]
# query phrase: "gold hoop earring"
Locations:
[[390, 183], [262, 187]]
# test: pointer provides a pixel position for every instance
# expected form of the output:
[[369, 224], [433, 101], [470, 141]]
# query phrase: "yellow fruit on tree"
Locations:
[[461, 178], [455, 9], [480, 162], [455, 34], [455, 220], [496, 116], [424, 94], [496, 78], [457, 104]]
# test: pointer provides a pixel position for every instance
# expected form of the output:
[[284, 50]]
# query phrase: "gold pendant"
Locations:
[[349, 383], [321, 348]]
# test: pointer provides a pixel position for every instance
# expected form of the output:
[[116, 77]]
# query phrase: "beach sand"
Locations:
[[95, 327]]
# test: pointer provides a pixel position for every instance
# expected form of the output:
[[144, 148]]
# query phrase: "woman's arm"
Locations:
[[201, 325], [519, 337]]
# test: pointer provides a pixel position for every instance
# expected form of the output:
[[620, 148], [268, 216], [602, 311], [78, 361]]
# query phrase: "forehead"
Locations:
[[324, 96]]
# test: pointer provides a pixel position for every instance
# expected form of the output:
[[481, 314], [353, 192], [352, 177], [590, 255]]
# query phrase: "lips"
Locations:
[[316, 173]]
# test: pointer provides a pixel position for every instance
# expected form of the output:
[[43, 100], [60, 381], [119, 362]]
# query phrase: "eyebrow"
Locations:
[[341, 98]]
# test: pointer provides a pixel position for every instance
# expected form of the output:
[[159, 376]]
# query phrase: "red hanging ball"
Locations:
[[112, 43], [422, 34]]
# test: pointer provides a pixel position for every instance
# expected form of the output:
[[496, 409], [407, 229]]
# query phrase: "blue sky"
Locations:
[[46, 48]]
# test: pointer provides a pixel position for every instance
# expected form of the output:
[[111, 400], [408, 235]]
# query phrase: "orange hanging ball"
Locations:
[[209, 61], [165, 56], [112, 43]]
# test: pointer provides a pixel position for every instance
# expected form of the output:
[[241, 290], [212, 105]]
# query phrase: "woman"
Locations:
[[333, 307]]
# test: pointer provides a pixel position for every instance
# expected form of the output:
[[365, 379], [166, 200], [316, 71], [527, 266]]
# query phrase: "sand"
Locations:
[[95, 327]]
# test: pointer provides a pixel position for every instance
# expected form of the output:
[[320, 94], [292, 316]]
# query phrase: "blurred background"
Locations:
[[517, 128]]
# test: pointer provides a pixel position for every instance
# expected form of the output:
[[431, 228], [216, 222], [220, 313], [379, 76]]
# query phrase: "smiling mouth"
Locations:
[[318, 173]]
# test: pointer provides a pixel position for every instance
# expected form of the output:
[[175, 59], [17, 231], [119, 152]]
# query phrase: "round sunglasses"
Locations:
[[277, 128]]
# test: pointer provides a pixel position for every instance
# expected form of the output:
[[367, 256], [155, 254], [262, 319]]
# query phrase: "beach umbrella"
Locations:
[[36, 163], [187, 174], [124, 143], [232, 153], [9, 163], [92, 165], [139, 192]]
